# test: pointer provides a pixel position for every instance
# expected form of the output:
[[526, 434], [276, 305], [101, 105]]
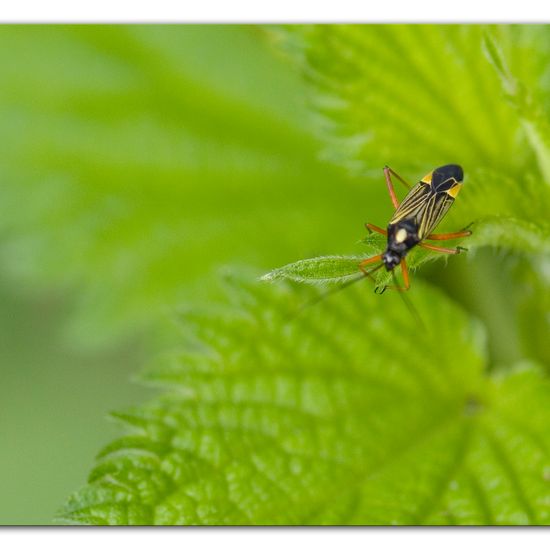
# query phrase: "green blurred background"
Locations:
[[54, 400]]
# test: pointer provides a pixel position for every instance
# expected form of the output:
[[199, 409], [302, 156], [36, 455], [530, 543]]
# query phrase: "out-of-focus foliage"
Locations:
[[349, 411], [135, 158], [53, 402]]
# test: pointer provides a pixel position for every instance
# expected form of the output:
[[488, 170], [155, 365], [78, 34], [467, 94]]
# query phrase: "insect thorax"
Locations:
[[402, 236]]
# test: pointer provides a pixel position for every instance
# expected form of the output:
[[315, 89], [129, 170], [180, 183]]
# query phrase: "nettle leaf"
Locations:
[[318, 270], [528, 103], [340, 415], [412, 96], [419, 96], [327, 269]]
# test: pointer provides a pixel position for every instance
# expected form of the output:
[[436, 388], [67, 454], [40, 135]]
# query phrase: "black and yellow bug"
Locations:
[[415, 218]]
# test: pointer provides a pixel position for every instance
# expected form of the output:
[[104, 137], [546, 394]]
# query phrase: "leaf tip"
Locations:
[[268, 277]]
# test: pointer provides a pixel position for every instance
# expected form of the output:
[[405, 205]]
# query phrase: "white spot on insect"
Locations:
[[400, 235]]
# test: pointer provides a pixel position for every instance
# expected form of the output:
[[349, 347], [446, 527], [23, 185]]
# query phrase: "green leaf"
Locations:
[[413, 96], [533, 118], [326, 269], [318, 270], [343, 415]]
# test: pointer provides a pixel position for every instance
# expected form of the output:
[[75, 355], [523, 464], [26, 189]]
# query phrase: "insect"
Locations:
[[415, 218]]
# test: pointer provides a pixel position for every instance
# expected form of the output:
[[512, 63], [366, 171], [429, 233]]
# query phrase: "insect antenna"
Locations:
[[333, 290], [409, 305]]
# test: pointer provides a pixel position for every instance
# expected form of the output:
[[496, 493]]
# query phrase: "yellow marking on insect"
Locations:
[[454, 190], [427, 178], [400, 235]]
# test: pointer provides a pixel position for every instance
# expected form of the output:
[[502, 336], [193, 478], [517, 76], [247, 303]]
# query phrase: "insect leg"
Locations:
[[368, 261], [406, 280], [447, 236], [371, 227], [405, 271], [387, 174], [441, 249], [393, 173], [368, 274]]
